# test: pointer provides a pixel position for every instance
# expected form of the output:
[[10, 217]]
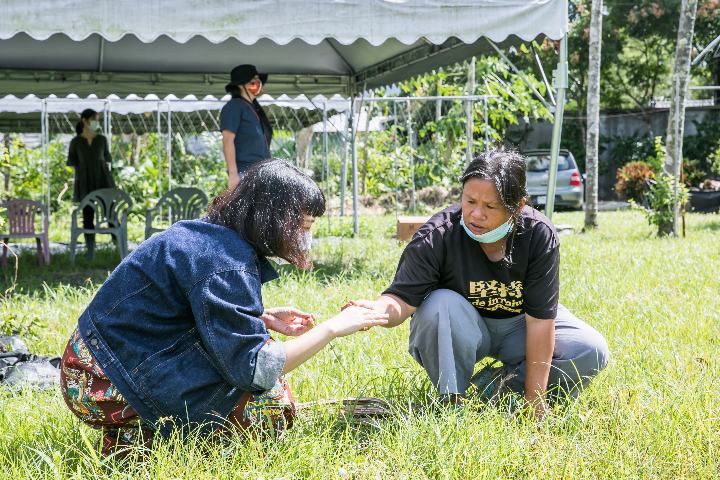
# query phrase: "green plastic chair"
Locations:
[[111, 207], [182, 204]]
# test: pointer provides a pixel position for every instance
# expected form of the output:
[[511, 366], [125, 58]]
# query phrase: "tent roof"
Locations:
[[309, 47]]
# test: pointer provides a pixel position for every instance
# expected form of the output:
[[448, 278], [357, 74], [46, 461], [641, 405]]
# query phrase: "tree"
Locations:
[[593, 116], [676, 117]]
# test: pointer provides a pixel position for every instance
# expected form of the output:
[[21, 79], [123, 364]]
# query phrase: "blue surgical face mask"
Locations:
[[94, 125], [493, 235]]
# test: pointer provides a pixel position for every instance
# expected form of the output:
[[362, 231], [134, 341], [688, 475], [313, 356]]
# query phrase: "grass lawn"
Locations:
[[653, 413]]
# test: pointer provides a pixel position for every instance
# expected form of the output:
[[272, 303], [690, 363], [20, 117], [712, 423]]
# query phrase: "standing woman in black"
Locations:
[[89, 155], [246, 130]]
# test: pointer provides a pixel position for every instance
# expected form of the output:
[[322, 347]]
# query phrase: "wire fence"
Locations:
[[377, 154]]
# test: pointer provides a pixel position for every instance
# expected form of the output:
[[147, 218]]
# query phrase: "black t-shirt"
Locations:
[[441, 255]]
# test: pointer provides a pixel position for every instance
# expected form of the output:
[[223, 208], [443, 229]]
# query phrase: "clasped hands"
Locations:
[[292, 322]]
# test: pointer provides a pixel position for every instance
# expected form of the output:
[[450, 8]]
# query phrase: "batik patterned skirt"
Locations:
[[95, 400]]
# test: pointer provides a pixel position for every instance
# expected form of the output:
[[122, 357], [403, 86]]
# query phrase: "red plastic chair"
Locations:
[[21, 219]]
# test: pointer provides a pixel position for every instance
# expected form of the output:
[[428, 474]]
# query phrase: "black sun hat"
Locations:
[[242, 74]]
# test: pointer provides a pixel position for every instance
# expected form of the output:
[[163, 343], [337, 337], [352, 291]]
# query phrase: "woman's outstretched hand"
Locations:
[[353, 319], [288, 320]]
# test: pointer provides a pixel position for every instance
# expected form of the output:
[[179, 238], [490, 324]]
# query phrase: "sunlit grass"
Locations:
[[653, 413]]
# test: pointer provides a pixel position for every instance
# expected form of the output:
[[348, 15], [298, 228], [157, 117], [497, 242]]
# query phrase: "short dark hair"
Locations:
[[507, 169], [267, 209]]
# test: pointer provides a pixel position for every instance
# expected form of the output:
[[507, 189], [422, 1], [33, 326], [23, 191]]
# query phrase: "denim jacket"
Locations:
[[176, 326]]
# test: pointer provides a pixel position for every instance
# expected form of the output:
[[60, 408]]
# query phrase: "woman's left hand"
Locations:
[[288, 320]]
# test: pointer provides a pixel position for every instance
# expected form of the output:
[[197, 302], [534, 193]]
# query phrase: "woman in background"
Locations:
[[89, 155], [246, 130]]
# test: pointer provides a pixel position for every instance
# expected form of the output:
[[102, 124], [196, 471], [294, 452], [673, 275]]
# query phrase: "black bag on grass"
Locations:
[[18, 366]]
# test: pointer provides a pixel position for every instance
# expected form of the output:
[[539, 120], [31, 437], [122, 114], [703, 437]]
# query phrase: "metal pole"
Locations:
[[470, 113], [168, 145], [353, 146], [487, 125], [107, 120], [43, 115], [395, 157], [47, 160], [343, 166], [327, 160], [159, 152], [560, 82], [412, 157], [678, 156]]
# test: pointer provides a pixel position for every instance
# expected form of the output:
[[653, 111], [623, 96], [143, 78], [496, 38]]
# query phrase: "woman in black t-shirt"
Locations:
[[481, 280], [89, 155]]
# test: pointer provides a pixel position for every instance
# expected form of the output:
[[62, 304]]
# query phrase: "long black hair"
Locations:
[[267, 209], [87, 113], [235, 92], [507, 169]]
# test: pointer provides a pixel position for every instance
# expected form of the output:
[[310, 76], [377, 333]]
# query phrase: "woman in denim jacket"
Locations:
[[177, 337]]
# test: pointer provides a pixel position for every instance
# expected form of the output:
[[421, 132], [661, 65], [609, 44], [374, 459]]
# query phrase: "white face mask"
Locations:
[[94, 125], [306, 242]]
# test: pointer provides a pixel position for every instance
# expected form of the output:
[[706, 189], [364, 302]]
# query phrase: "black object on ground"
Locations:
[[705, 201], [19, 367]]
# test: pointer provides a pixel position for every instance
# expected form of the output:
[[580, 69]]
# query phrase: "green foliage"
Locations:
[[657, 161], [661, 199], [705, 142], [631, 180], [714, 159]]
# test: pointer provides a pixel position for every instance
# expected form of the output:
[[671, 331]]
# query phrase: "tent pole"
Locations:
[[327, 160], [168, 148], [470, 112], [353, 147], [343, 165], [159, 155], [47, 159], [560, 82], [395, 157], [43, 114], [107, 121], [168, 145], [487, 141], [412, 157]]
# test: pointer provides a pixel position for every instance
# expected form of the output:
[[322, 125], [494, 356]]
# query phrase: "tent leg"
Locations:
[[560, 77], [470, 113], [327, 162], [395, 172], [159, 156], [43, 115], [412, 157], [487, 130], [353, 147], [343, 167]]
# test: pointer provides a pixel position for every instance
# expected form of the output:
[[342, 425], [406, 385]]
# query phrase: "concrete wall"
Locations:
[[612, 125]]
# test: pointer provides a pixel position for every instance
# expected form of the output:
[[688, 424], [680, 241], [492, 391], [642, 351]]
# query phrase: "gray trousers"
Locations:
[[448, 337]]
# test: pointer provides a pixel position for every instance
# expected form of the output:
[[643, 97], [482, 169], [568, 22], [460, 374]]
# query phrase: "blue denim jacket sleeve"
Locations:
[[227, 306]]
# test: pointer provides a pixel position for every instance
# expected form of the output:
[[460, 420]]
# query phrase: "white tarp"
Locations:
[[151, 103], [283, 21]]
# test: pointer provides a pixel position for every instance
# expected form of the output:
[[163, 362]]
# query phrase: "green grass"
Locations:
[[653, 413]]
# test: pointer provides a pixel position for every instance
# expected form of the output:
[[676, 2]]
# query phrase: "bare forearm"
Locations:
[[539, 346], [229, 152], [303, 348], [398, 310]]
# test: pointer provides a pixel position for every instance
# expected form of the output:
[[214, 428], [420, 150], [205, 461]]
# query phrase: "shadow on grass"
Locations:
[[31, 276]]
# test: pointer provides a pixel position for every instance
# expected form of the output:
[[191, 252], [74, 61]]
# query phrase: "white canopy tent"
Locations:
[[308, 47]]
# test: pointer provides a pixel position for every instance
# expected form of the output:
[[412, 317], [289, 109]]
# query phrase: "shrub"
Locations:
[[631, 180]]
